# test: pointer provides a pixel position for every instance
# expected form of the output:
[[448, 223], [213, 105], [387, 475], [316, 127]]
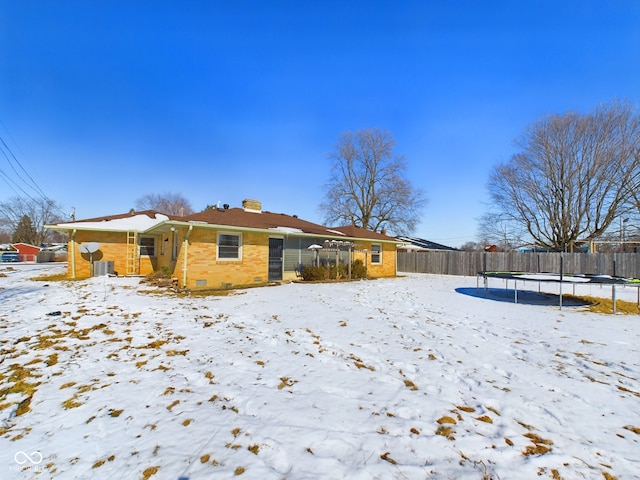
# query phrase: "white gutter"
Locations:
[[186, 251], [73, 253]]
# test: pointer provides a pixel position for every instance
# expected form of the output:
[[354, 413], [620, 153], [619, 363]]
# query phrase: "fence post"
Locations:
[[561, 273]]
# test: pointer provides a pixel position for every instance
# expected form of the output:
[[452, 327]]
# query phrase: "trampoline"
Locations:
[[561, 279]]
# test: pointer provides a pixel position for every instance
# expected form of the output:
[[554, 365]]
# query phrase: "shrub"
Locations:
[[313, 274], [162, 272], [337, 273], [358, 270]]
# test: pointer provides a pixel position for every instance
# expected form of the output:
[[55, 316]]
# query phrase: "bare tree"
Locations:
[[39, 212], [368, 187], [167, 203], [471, 247], [573, 176], [502, 231]]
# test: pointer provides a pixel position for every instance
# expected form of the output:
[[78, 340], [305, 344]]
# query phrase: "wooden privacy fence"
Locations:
[[470, 263]]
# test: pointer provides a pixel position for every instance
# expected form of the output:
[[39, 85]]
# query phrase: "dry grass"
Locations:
[[24, 406], [148, 472], [255, 449], [385, 456], [540, 445], [464, 408], [54, 278], [633, 429], [446, 419], [286, 382], [605, 305], [71, 403]]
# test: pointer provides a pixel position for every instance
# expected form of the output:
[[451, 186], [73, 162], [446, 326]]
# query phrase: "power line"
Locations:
[[17, 167], [9, 155]]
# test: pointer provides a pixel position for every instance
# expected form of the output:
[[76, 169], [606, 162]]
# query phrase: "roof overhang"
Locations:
[[159, 226]]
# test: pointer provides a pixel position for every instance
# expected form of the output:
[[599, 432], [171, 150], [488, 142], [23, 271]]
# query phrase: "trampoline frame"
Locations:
[[560, 278]]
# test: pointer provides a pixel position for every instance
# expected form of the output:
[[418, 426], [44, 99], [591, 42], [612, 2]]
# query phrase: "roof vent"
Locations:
[[254, 206]]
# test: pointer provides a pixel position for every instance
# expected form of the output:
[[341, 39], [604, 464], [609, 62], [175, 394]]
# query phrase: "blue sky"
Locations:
[[105, 101]]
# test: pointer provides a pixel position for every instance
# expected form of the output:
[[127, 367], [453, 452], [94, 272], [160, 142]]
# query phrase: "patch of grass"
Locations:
[[408, 383], [71, 403], [465, 408], [494, 410], [52, 360], [633, 429], [625, 389], [286, 382], [540, 445], [485, 418], [604, 305], [362, 365], [385, 456], [24, 406], [173, 353], [215, 292], [446, 420], [149, 472], [255, 449], [18, 377], [154, 344], [58, 277], [446, 431]]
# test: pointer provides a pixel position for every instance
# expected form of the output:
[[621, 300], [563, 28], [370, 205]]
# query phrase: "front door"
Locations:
[[276, 246]]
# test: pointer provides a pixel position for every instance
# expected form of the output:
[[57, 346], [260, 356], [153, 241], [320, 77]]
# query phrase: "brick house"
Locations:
[[222, 247]]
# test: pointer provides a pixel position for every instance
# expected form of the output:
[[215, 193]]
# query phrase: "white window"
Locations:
[[148, 246], [376, 253], [229, 246]]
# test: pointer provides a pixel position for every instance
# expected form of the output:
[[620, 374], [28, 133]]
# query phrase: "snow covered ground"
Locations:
[[419, 377]]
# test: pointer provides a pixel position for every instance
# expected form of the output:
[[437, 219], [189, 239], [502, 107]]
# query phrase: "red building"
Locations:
[[28, 253]]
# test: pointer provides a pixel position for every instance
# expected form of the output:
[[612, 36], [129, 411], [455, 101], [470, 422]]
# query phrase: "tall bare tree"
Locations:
[[368, 187], [574, 175], [38, 211], [167, 203]]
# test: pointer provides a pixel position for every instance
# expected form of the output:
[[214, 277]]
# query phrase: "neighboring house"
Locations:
[[222, 247], [414, 244], [27, 252]]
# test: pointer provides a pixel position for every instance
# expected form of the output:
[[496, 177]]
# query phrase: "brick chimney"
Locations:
[[253, 206]]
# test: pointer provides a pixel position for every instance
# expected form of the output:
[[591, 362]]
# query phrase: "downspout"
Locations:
[[186, 251], [73, 253]]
